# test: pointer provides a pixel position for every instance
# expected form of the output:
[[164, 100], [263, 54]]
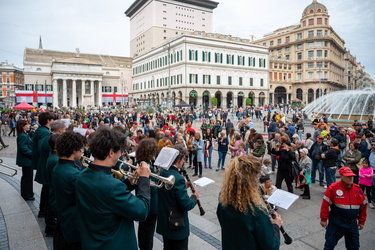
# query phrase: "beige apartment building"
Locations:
[[153, 22], [306, 60]]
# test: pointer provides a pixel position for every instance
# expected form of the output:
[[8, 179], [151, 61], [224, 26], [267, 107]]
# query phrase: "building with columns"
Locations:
[[152, 22], [68, 79], [199, 66]]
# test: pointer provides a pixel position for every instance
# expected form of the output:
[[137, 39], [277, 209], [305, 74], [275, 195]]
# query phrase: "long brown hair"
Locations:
[[240, 186]]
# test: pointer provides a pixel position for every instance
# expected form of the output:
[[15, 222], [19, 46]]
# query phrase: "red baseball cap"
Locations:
[[165, 126], [319, 136], [189, 125], [346, 171]]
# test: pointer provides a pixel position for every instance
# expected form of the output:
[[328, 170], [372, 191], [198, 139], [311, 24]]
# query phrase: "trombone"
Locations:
[[167, 182], [6, 166]]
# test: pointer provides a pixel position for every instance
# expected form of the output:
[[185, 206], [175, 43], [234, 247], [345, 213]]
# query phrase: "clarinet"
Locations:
[[184, 173], [287, 239]]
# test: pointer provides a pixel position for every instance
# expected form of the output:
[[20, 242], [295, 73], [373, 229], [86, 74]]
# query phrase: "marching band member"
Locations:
[[106, 207], [242, 213], [69, 148], [173, 205]]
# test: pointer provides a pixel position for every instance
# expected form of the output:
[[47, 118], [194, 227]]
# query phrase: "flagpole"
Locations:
[[45, 92]]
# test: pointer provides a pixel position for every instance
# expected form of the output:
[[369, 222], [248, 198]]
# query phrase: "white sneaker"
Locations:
[[325, 187], [370, 205]]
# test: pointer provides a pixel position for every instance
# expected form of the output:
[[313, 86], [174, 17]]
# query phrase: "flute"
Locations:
[[184, 173]]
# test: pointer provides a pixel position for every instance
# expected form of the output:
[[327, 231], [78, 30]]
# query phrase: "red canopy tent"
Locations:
[[24, 105]]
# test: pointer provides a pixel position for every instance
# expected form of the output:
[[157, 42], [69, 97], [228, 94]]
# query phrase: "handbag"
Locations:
[[176, 219], [296, 169], [304, 179]]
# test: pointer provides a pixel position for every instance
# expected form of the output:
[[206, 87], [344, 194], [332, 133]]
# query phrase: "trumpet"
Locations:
[[117, 174], [6, 166], [167, 182]]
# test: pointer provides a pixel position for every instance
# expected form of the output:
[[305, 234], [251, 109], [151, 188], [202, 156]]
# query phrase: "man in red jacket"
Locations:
[[343, 205]]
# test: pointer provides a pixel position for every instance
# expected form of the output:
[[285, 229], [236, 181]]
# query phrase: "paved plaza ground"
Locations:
[[21, 229]]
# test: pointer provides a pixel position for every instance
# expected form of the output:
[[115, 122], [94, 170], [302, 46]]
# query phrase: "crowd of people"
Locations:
[[52, 143]]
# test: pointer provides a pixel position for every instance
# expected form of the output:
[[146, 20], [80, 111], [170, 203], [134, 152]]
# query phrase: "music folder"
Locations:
[[166, 157], [282, 199]]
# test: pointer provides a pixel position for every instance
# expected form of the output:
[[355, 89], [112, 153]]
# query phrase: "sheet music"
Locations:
[[202, 182], [81, 131], [166, 157], [282, 199]]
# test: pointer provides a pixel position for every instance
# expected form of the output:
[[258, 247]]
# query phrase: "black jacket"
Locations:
[[331, 156]]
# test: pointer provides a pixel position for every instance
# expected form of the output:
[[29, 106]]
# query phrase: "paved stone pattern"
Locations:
[[301, 221], [4, 242]]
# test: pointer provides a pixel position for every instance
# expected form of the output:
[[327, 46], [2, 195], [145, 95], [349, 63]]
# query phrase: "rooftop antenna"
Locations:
[[40, 42]]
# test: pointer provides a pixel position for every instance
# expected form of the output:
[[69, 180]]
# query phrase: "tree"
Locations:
[[214, 101], [248, 101]]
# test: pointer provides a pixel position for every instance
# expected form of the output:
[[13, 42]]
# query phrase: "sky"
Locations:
[[100, 26]]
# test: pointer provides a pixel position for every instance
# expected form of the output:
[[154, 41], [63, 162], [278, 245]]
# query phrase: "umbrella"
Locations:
[[24, 105]]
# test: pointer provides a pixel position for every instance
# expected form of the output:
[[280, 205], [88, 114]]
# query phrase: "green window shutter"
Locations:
[[238, 60], [254, 62], [190, 78], [196, 55], [260, 62], [196, 78], [115, 89], [209, 56], [232, 59], [261, 82], [202, 56], [189, 54], [227, 59], [204, 79], [251, 81], [209, 79], [264, 65]]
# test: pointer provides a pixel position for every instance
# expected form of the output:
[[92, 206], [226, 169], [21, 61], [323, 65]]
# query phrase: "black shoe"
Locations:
[[217, 169], [194, 174], [306, 197], [5, 146], [41, 215], [313, 182], [222, 168], [321, 184], [29, 199], [200, 176]]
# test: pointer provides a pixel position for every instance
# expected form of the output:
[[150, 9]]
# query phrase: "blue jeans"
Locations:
[[209, 157], [338, 162], [335, 232], [330, 175], [222, 156], [317, 165]]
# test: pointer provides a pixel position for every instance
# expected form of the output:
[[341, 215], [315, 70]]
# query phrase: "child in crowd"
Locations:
[[266, 186], [266, 171], [241, 149], [365, 181]]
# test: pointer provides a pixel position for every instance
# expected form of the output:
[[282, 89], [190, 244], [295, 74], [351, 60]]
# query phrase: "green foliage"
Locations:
[[248, 101], [214, 101], [65, 109], [150, 110], [6, 111]]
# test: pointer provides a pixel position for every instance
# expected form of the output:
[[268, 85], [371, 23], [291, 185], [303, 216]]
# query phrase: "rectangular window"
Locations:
[[251, 82], [299, 76], [310, 65], [287, 39], [264, 44], [319, 65], [311, 33], [287, 57], [206, 79], [271, 43], [319, 44], [299, 46], [311, 21], [229, 80], [310, 54], [279, 41], [299, 36], [319, 32], [279, 51], [299, 56], [311, 44], [39, 87], [115, 89], [261, 82], [311, 75], [299, 66], [287, 49], [218, 80], [240, 81], [319, 53], [319, 20], [304, 23], [326, 53]]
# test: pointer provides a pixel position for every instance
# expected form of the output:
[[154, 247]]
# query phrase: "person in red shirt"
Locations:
[[189, 128], [344, 207]]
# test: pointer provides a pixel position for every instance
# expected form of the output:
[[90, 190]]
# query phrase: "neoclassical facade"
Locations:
[[66, 79], [200, 66], [306, 60]]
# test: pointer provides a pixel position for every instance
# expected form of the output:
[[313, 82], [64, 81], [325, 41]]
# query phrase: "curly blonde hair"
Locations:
[[240, 186]]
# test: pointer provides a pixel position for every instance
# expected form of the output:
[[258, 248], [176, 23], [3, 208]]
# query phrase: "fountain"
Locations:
[[345, 105]]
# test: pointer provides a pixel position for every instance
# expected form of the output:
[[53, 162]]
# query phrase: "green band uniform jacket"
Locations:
[[177, 197], [64, 178], [39, 134], [52, 161], [247, 231], [107, 209], [24, 150]]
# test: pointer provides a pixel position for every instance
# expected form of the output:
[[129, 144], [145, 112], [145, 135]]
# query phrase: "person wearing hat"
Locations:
[[344, 207], [305, 164]]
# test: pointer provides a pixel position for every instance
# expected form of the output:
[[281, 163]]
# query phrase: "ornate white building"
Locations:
[[197, 67], [67, 79]]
